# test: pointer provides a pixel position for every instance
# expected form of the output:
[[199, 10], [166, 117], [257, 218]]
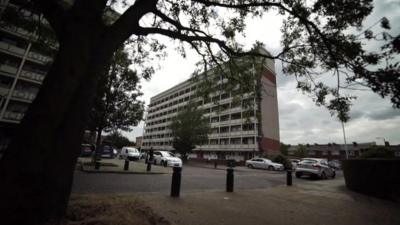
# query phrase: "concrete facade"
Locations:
[[233, 136], [23, 67]]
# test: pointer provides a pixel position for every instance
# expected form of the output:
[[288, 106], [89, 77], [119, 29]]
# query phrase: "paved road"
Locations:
[[193, 179]]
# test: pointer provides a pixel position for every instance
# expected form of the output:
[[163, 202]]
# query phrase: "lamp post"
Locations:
[[382, 138], [345, 141]]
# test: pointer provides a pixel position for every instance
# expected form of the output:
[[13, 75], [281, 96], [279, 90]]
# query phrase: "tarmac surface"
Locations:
[[318, 202]]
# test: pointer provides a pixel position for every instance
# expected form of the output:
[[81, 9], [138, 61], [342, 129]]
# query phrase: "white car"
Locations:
[[262, 163], [315, 167], [166, 159], [130, 153]]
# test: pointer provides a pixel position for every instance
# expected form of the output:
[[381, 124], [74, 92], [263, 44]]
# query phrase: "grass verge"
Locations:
[[91, 209]]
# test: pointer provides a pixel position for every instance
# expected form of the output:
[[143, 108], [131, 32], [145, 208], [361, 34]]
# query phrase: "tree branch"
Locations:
[[128, 23], [55, 12]]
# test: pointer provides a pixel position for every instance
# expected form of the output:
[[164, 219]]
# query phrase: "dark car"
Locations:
[[107, 151], [87, 150]]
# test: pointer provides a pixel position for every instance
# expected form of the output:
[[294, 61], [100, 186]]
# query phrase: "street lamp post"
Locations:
[[345, 141], [384, 140]]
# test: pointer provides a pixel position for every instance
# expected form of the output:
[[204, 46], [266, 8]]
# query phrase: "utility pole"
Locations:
[[345, 142]]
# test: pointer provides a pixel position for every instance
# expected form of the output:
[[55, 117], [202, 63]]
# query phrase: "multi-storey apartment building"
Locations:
[[239, 131], [23, 67]]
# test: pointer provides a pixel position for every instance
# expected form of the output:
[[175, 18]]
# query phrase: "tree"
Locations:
[[315, 38], [284, 149], [118, 140], [301, 151], [116, 106], [189, 129]]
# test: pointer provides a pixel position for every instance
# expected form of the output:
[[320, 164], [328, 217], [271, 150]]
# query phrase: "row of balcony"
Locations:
[[26, 74], [234, 134], [14, 116], [230, 147], [17, 94], [37, 57]]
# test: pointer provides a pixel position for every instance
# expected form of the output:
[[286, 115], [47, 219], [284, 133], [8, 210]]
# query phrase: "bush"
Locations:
[[283, 160], [377, 152]]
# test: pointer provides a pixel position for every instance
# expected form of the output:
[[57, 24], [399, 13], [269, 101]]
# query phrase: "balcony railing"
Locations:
[[20, 51], [32, 75], [27, 74], [16, 116], [24, 95]]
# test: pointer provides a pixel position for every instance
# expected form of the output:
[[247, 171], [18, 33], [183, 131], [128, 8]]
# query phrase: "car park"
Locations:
[[262, 163], [314, 167], [166, 158], [129, 153]]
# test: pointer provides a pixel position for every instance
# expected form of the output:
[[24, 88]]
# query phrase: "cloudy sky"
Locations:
[[301, 121]]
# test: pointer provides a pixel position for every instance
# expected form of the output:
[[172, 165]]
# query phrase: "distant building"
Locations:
[[23, 67], [332, 151], [139, 142], [239, 131]]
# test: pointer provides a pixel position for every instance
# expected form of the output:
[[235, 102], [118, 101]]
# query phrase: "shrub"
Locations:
[[283, 160], [377, 152]]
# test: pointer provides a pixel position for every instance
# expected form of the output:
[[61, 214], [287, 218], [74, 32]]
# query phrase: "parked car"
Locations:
[[107, 151], [262, 163], [334, 164], [294, 163], [314, 167], [166, 158], [87, 150], [129, 153]]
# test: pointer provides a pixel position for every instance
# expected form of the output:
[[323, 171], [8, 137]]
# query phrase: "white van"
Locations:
[[129, 153]]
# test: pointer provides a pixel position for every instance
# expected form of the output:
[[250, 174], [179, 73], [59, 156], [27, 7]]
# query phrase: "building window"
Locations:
[[236, 116], [249, 126], [236, 141], [224, 141], [215, 119], [224, 118], [335, 153], [225, 95], [213, 141], [224, 129], [248, 140], [236, 128], [224, 107], [215, 130]]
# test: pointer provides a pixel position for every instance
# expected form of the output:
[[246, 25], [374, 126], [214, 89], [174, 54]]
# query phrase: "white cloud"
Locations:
[[300, 120]]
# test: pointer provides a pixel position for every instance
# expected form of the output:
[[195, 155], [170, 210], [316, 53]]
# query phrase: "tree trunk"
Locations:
[[97, 154], [36, 171]]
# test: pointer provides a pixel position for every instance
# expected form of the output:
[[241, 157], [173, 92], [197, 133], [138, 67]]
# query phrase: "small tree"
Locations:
[[284, 149], [116, 106], [301, 151], [118, 140], [189, 129]]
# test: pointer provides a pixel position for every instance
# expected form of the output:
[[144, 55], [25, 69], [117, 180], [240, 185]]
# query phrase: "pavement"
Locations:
[[318, 202]]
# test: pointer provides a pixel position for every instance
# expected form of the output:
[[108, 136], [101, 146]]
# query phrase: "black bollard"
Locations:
[[289, 177], [215, 164], [176, 182], [126, 165], [148, 167], [229, 180], [150, 160], [96, 165]]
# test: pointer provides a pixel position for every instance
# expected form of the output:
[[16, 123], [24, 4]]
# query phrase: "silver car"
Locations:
[[262, 163], [314, 167]]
